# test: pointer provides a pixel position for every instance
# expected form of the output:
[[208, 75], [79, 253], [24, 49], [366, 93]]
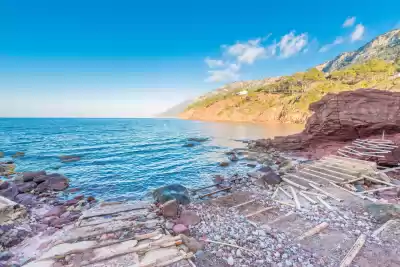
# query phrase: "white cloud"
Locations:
[[339, 40], [230, 73], [358, 33], [247, 52], [349, 22], [214, 63], [291, 44]]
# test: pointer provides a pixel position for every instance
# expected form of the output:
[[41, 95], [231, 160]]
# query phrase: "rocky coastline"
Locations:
[[262, 218]]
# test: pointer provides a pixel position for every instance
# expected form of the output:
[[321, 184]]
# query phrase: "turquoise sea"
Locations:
[[125, 158]]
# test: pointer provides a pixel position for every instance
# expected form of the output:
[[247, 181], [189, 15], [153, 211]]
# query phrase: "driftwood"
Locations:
[[258, 212], [314, 194], [326, 193], [308, 198], [379, 181], [348, 259], [296, 200], [332, 171], [378, 189], [284, 203], [242, 204], [286, 192], [314, 230], [353, 180], [350, 187], [281, 218], [275, 193], [212, 193], [324, 203], [294, 184], [168, 261], [383, 227]]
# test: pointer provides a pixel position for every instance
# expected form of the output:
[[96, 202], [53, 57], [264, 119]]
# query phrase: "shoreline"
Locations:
[[206, 221]]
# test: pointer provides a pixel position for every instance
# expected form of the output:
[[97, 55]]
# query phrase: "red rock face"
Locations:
[[345, 116]]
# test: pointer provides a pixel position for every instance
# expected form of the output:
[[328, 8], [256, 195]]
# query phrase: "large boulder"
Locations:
[[344, 116], [53, 182], [26, 187], [170, 192], [10, 192], [30, 176]]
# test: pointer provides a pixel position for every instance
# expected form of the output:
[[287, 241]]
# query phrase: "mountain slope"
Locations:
[[286, 98], [385, 46]]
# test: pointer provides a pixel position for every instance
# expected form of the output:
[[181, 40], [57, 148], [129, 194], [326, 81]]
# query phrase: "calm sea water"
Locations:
[[125, 158]]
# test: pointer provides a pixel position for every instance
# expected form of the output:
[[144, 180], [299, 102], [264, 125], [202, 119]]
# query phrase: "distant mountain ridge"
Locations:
[[175, 110], [385, 46]]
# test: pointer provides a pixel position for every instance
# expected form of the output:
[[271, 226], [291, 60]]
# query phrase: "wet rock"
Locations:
[[29, 176], [188, 145], [59, 222], [54, 182], [28, 200], [55, 211], [218, 178], [271, 178], [49, 220], [71, 202], [26, 187], [40, 179], [170, 208], [11, 192], [4, 185], [233, 157], [11, 235], [18, 155], [224, 164], [1, 154], [188, 217], [91, 199], [180, 229], [80, 197], [169, 225], [69, 158], [7, 168], [192, 243], [73, 190], [5, 255], [197, 139], [170, 192]]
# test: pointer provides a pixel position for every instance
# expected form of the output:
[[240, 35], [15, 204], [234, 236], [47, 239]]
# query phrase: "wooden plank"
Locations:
[[326, 174], [275, 193], [340, 173], [313, 231], [379, 181], [303, 179], [286, 192], [348, 191], [284, 203], [318, 176], [213, 193], [296, 200], [242, 204], [308, 198], [348, 259], [377, 190], [353, 180], [324, 203], [328, 165], [359, 161], [326, 193], [259, 211], [294, 184]]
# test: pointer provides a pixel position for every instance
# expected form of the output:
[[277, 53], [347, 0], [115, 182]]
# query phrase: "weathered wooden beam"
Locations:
[[296, 200], [326, 174], [326, 193], [294, 184], [213, 193], [303, 179], [325, 203], [242, 204], [348, 259], [259, 211], [313, 231], [308, 198]]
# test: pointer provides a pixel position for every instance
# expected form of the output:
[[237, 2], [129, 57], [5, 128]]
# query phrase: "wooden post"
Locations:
[[314, 230], [348, 259]]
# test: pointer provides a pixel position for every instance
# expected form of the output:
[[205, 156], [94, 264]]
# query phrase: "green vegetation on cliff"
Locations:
[[293, 94]]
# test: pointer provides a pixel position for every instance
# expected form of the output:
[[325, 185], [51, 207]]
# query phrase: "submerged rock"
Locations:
[[198, 139], [26, 199], [170, 192], [224, 164], [18, 155], [26, 187], [188, 145], [1, 154], [69, 158], [30, 176], [7, 168], [54, 182]]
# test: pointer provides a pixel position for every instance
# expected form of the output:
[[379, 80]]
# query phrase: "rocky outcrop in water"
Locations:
[[343, 117]]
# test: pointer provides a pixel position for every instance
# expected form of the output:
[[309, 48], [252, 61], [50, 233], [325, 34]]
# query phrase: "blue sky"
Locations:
[[137, 58]]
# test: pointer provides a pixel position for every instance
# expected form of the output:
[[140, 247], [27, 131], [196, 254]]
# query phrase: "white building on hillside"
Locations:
[[243, 92]]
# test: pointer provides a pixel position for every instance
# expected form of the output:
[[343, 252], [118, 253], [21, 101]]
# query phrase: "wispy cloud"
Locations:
[[248, 52], [358, 33], [349, 22], [291, 44], [214, 63], [230, 73], [339, 40]]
